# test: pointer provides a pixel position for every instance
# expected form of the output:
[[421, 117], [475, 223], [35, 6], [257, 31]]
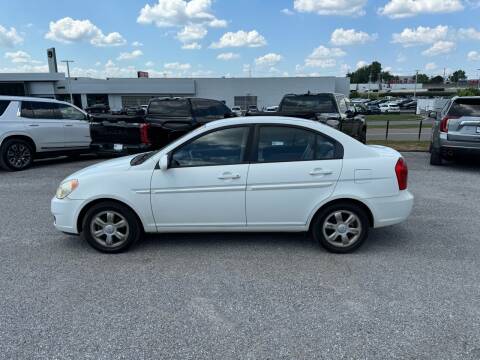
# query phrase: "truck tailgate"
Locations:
[[118, 129]]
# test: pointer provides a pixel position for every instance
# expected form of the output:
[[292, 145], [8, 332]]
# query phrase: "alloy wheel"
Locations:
[[342, 228], [18, 155], [109, 229]]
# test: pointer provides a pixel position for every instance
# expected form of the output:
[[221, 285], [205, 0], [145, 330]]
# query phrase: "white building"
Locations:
[[120, 92]]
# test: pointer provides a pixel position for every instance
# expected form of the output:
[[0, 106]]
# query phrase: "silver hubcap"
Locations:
[[342, 228], [109, 228], [18, 156]]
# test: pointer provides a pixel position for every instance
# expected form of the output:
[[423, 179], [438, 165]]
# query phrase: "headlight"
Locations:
[[66, 188]]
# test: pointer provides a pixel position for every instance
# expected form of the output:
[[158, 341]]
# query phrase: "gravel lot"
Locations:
[[412, 291]]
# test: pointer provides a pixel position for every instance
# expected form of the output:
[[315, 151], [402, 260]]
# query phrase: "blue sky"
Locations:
[[233, 38]]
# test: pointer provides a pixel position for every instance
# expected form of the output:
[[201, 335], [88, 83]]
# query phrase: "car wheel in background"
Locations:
[[341, 228], [111, 227], [435, 157], [16, 155]]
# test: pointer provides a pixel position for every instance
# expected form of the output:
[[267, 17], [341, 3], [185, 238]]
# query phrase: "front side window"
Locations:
[[342, 105], [203, 108], [68, 112], [282, 144], [221, 147]]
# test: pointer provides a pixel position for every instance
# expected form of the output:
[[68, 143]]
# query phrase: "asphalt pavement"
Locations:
[[411, 292]]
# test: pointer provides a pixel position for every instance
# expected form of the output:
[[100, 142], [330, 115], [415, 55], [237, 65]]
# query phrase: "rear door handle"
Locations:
[[321, 172], [68, 125], [34, 125], [229, 176]]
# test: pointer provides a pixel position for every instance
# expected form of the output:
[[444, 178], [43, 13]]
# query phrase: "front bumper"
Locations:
[[391, 210], [65, 213]]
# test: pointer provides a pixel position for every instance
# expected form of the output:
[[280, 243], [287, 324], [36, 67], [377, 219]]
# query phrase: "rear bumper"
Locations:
[[391, 210], [109, 148]]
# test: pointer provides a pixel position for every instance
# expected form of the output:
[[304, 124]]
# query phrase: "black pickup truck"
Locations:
[[329, 108], [166, 119]]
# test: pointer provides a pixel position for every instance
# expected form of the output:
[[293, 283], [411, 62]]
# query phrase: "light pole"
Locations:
[[69, 83], [478, 79], [415, 89]]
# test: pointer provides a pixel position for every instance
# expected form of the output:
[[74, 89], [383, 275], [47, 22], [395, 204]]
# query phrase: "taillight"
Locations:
[[144, 134], [444, 123], [401, 170]]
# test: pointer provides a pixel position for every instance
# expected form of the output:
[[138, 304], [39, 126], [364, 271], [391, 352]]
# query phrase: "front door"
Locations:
[[295, 170], [204, 186], [76, 126]]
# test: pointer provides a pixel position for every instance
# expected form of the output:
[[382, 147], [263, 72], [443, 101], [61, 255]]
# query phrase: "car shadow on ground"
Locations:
[[41, 163]]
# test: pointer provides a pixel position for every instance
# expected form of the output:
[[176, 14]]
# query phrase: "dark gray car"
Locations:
[[456, 129]]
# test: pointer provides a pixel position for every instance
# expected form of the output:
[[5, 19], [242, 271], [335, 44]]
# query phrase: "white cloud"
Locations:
[[192, 32], [397, 9], [468, 33], [9, 37], [150, 64], [25, 68], [430, 66], [270, 59], [240, 39], [361, 64], [169, 13], [331, 7], [130, 55], [228, 56], [287, 12], [137, 44], [473, 56], [191, 46], [342, 37], [324, 57], [440, 47], [420, 35], [68, 30], [177, 66], [401, 58], [18, 57]]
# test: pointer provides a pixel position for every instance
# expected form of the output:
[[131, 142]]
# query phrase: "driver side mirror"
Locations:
[[350, 114], [432, 114], [163, 163]]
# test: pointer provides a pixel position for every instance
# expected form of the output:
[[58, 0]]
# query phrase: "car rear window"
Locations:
[[317, 103], [179, 108], [465, 107], [3, 106]]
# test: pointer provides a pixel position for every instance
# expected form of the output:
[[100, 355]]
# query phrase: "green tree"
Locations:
[[365, 74], [468, 92], [457, 76], [423, 79], [436, 80]]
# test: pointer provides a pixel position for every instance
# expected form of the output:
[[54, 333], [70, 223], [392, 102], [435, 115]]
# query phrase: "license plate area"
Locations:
[[478, 130], [118, 147]]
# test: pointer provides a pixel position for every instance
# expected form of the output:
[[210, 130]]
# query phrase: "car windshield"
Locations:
[[316, 103], [177, 107], [465, 107]]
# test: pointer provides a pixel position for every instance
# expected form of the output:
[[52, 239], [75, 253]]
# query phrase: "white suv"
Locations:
[[34, 127]]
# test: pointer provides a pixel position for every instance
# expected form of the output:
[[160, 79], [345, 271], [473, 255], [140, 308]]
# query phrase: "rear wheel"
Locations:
[[111, 227], [435, 157], [341, 228], [16, 155]]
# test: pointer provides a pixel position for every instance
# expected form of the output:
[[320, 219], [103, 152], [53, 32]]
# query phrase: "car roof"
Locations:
[[30, 98]]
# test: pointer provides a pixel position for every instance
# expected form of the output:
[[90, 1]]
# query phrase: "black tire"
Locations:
[[435, 157], [363, 136], [132, 231], [16, 155], [361, 223]]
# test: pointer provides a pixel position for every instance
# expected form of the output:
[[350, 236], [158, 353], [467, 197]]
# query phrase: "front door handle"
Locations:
[[229, 176], [68, 125], [34, 125], [321, 172]]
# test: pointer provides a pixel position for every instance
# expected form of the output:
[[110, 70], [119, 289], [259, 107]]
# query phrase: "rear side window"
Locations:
[[175, 108], [465, 107], [204, 108], [40, 110], [281, 144], [3, 106], [318, 103]]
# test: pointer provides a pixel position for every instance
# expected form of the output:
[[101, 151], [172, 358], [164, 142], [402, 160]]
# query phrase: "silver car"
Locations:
[[456, 129], [34, 127]]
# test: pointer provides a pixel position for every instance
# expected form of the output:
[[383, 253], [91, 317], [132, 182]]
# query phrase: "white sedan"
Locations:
[[243, 174]]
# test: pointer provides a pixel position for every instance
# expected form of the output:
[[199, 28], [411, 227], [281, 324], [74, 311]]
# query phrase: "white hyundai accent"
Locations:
[[245, 174]]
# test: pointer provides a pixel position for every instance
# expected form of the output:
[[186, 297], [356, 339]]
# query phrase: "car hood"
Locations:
[[122, 163]]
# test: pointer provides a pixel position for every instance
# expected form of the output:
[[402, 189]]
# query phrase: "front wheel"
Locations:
[[341, 228], [16, 155], [111, 227]]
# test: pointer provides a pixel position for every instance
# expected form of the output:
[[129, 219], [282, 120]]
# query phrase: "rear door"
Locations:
[[294, 170], [44, 124], [77, 128], [464, 120]]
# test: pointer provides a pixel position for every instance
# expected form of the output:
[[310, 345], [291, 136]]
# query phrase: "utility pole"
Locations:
[[416, 81], [69, 81], [478, 79]]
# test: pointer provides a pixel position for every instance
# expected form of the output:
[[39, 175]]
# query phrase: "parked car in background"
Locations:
[[373, 109], [389, 108], [167, 119], [33, 128], [252, 108], [249, 175], [98, 109], [237, 110], [456, 129], [271, 109], [360, 109], [329, 108]]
